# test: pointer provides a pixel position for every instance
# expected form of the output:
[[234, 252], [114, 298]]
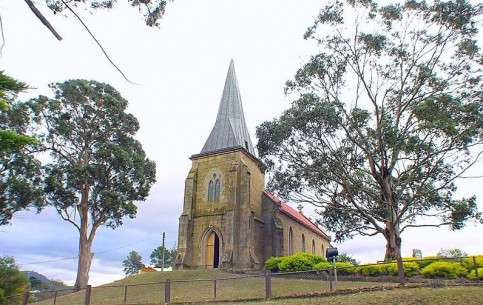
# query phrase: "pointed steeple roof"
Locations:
[[230, 130]]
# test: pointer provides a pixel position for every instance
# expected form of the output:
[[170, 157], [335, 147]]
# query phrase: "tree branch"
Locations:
[[42, 19], [97, 42]]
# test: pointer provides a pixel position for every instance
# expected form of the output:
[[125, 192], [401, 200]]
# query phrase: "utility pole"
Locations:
[[164, 249]]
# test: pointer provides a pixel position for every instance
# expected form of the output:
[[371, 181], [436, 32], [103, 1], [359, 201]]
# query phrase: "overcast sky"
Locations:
[[180, 68]]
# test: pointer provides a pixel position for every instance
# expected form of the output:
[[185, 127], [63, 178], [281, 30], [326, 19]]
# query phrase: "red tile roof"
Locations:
[[300, 218]]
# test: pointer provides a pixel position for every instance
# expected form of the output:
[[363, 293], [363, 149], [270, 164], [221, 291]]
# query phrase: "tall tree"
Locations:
[[157, 257], [19, 170], [13, 283], [98, 169], [388, 115], [133, 263]]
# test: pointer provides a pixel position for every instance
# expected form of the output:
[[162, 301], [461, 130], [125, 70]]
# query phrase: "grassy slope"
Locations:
[[253, 288]]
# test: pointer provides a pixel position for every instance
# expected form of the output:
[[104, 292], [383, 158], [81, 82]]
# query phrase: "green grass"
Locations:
[[149, 288], [409, 296]]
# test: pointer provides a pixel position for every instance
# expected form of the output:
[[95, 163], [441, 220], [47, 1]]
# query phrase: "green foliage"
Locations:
[[157, 257], [344, 257], [410, 269], [468, 262], [322, 265], [153, 10], [12, 282], [344, 268], [450, 270], [19, 170], [427, 260], [132, 264], [300, 262], [384, 118], [472, 274], [97, 169], [372, 270], [272, 263], [451, 253]]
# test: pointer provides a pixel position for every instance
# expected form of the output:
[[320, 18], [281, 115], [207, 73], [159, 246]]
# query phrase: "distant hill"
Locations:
[[43, 283]]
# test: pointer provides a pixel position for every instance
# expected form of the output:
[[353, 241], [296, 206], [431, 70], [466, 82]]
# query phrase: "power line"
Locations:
[[95, 253]]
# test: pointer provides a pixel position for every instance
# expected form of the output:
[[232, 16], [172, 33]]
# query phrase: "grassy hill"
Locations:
[[198, 286]]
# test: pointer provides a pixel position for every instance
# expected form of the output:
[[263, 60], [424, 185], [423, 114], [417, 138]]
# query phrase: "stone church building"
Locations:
[[229, 220]]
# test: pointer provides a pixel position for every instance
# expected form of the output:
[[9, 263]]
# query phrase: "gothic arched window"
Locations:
[[313, 246], [290, 242], [210, 191], [217, 190], [303, 243]]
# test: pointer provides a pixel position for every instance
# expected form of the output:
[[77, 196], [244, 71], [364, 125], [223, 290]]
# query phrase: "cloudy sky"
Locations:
[[180, 68]]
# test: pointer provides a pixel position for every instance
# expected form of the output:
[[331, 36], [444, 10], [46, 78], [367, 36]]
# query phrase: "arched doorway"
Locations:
[[212, 251]]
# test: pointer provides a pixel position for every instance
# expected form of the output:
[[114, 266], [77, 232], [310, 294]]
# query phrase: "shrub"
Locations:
[[296, 262], [468, 262], [272, 263], [344, 268], [427, 260], [314, 258], [472, 274], [449, 270], [372, 270], [410, 268], [323, 265]]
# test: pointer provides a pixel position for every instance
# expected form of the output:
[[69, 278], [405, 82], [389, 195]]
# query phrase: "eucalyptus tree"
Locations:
[[133, 263], [386, 117], [19, 169], [98, 168]]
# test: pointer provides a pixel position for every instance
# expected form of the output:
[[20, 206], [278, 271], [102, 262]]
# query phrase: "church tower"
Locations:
[[221, 225]]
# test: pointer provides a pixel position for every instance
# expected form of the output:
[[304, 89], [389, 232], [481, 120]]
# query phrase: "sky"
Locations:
[[179, 69]]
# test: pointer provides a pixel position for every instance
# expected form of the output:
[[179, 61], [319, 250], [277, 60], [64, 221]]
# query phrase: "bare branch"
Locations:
[[42, 19], [97, 42]]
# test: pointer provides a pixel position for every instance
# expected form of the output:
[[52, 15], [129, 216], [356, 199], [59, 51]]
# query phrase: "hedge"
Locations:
[[272, 263], [410, 269], [449, 270], [468, 262], [472, 274], [372, 270]]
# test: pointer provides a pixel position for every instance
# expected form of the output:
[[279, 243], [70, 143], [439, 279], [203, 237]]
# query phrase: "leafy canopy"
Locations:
[[98, 170], [133, 263], [157, 257], [19, 170], [13, 283], [386, 117]]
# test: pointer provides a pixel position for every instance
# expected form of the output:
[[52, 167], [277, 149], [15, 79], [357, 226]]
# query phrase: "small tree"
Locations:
[[13, 283], [346, 258], [133, 263], [157, 257], [388, 115], [451, 253]]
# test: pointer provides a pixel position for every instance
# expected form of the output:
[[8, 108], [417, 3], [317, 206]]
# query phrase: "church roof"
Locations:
[[230, 130], [297, 216]]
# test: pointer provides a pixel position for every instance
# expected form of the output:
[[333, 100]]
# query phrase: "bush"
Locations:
[[344, 268], [296, 262], [372, 270], [315, 259], [450, 270], [472, 274], [272, 263], [323, 265], [468, 262], [427, 260], [410, 268]]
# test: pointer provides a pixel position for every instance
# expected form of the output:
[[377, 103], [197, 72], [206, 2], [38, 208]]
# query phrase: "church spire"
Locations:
[[230, 129]]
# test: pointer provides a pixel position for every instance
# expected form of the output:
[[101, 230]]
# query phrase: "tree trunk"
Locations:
[[84, 262], [393, 242]]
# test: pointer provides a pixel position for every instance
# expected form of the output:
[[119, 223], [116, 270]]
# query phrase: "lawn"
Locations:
[[198, 286]]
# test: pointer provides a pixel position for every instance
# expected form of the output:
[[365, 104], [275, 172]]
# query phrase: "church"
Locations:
[[229, 220]]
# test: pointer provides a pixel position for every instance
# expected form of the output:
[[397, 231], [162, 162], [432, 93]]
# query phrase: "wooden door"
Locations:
[[212, 251]]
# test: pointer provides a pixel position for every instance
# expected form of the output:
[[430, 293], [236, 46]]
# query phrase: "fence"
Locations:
[[236, 287]]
